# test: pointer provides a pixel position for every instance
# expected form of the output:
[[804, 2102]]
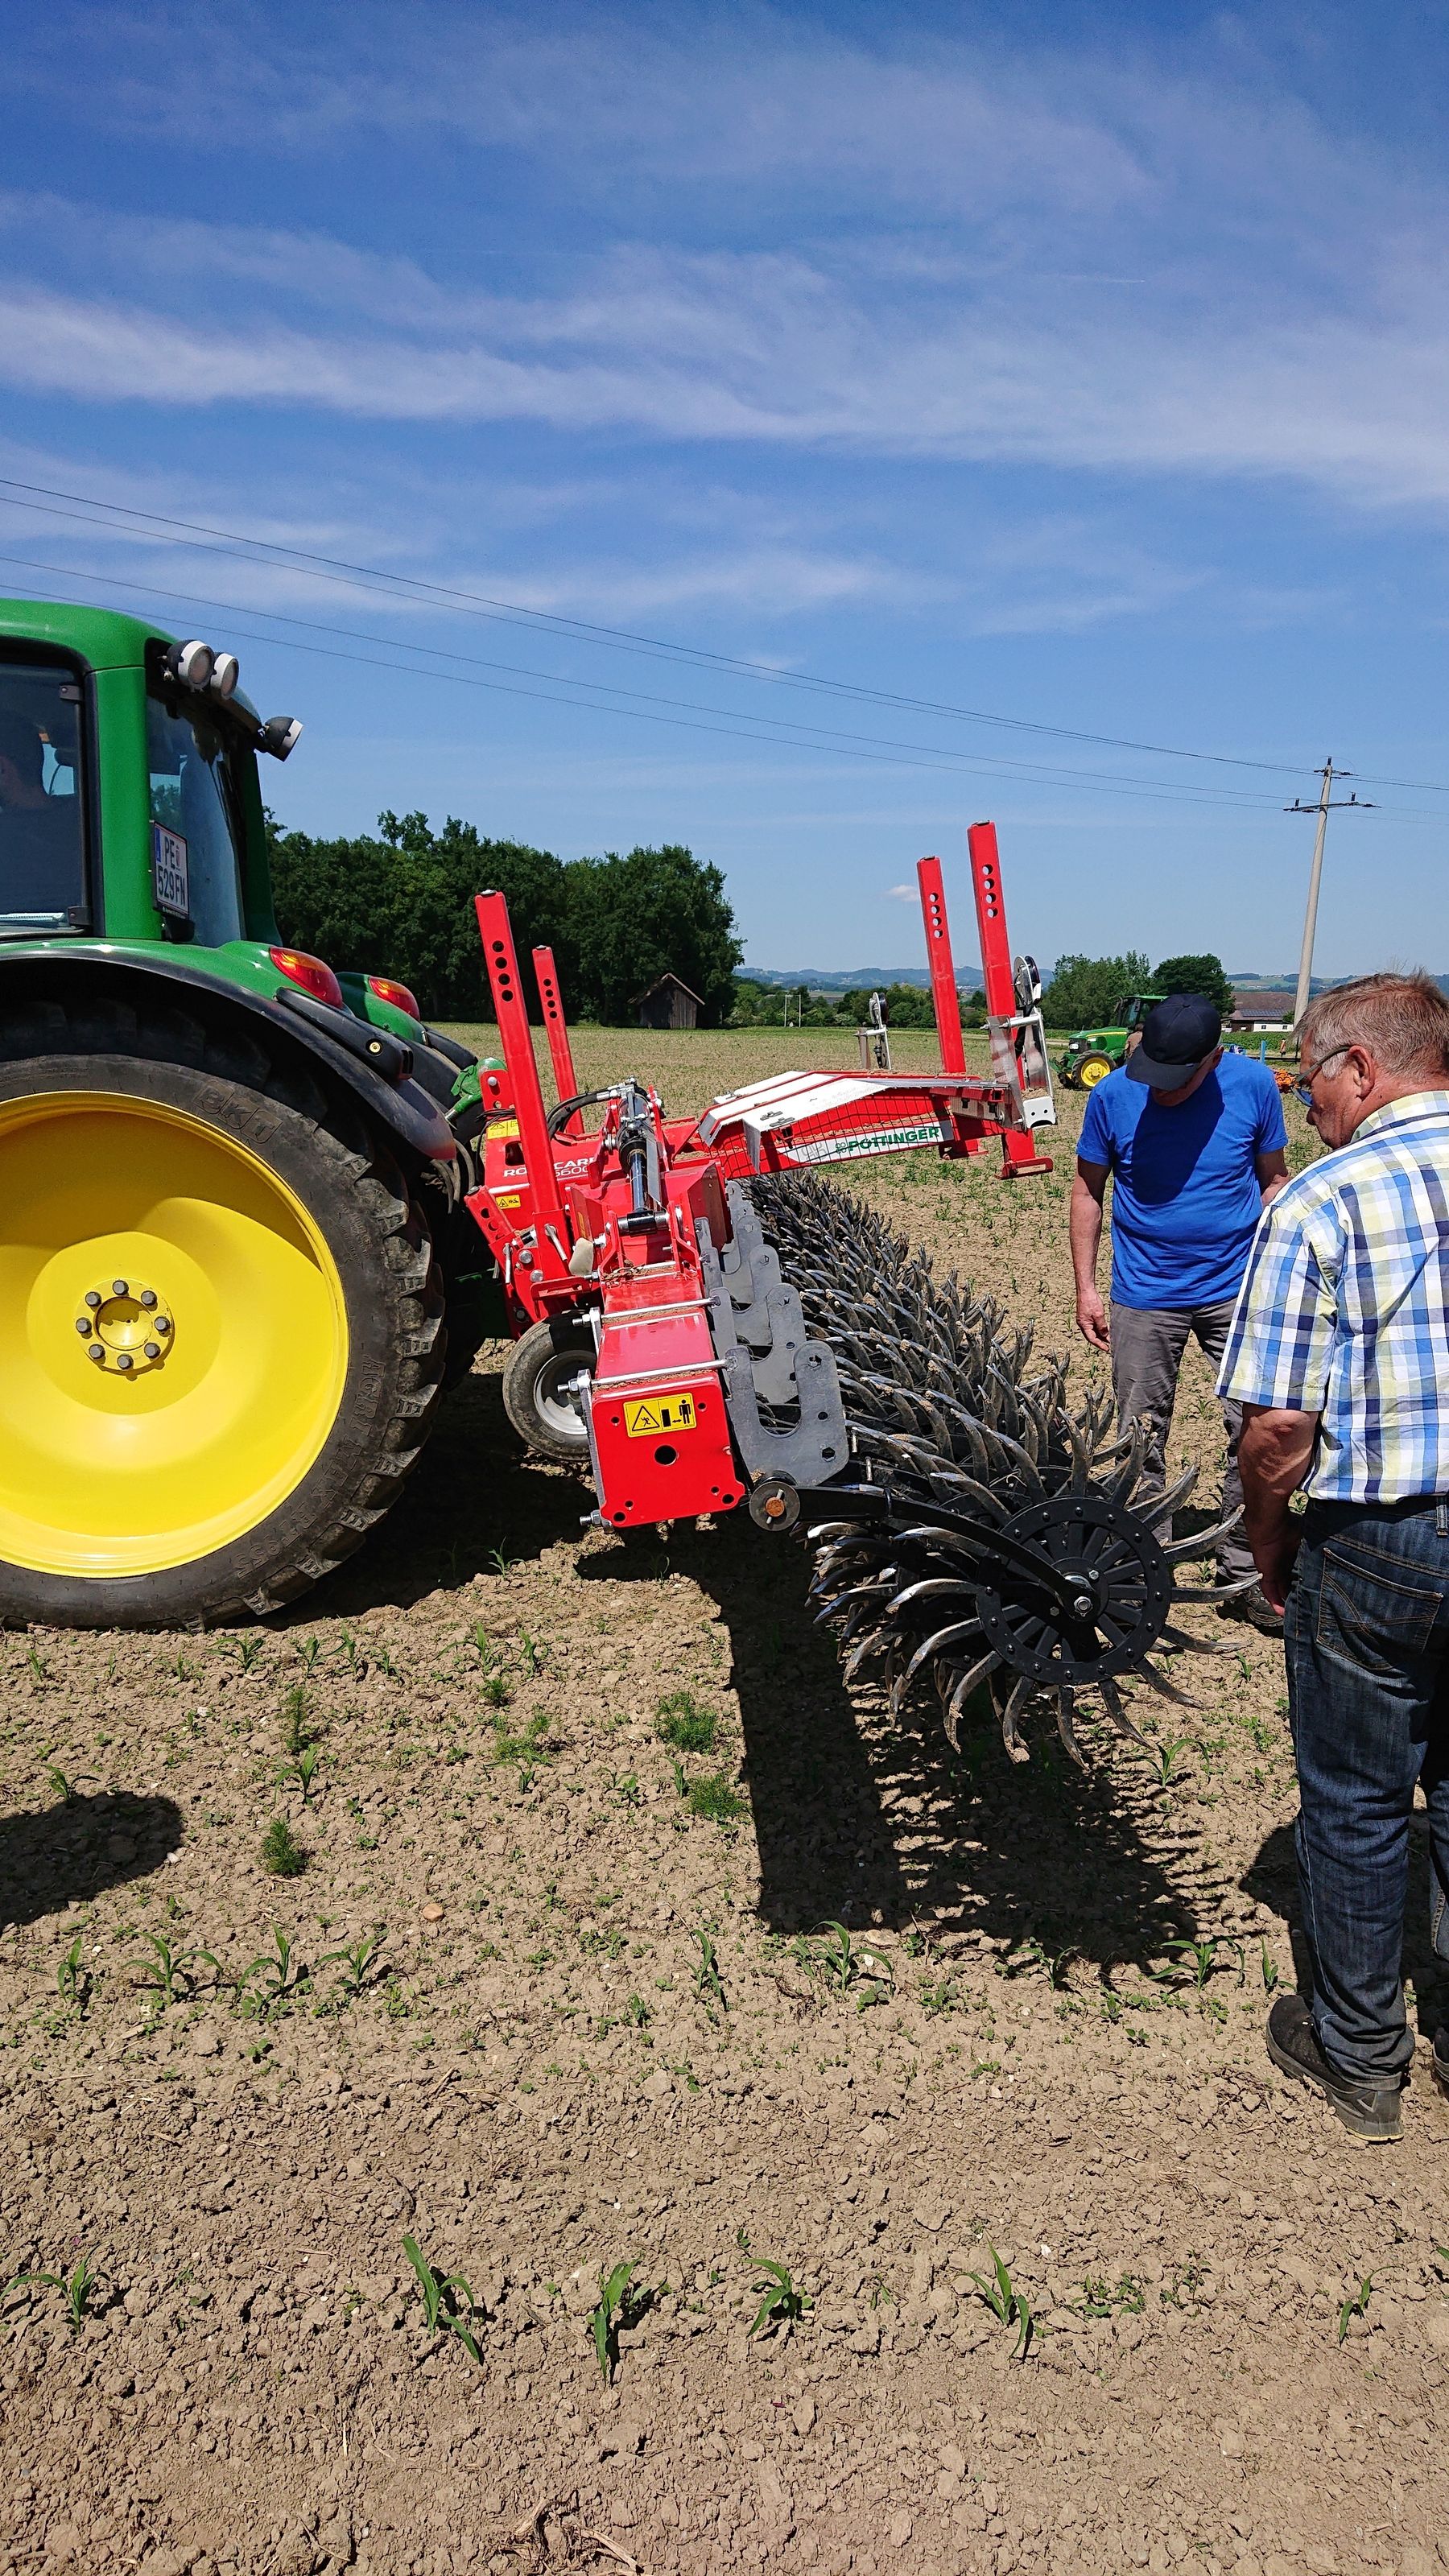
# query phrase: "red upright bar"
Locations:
[[513, 1029], [941, 963], [555, 1024], [1018, 1152]]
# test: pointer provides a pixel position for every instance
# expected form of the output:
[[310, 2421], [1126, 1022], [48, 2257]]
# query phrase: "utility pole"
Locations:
[[1324, 807]]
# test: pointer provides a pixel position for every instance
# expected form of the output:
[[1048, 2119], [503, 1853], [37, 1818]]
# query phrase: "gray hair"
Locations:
[[1402, 1021]]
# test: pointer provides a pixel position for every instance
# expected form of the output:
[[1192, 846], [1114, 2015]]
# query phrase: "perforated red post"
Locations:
[[517, 1037], [1018, 1152], [555, 1025], [942, 965]]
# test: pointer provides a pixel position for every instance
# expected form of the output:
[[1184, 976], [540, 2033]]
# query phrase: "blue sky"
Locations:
[[1087, 369]]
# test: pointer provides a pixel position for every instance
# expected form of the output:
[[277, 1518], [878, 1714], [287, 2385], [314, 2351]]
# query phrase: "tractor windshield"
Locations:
[[42, 861], [196, 821]]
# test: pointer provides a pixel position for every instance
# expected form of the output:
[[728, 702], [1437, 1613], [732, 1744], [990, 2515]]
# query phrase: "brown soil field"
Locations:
[[807, 1991]]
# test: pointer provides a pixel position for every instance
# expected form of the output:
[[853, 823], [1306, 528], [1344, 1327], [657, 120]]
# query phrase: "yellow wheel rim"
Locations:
[[1092, 1070], [173, 1336]]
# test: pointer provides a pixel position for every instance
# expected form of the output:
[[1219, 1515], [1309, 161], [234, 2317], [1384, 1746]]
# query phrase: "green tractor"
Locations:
[[236, 1272], [1091, 1054]]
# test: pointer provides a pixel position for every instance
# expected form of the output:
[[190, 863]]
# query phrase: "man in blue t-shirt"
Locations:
[[1194, 1144]]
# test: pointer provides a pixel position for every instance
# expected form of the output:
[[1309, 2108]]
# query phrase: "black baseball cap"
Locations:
[[1177, 1036]]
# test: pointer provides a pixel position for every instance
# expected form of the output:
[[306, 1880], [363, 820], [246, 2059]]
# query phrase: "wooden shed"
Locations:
[[669, 1004]]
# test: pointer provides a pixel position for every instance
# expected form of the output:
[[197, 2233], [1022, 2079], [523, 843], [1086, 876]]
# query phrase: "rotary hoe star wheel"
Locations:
[[993, 1538]]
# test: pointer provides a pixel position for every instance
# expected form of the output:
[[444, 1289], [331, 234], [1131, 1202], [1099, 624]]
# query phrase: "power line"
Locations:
[[795, 737], [202, 537]]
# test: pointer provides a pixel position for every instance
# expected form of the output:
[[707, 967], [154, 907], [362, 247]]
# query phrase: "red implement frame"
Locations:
[[999, 985], [610, 1231]]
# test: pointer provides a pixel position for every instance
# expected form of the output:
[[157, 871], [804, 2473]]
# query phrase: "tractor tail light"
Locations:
[[310, 973], [397, 994]]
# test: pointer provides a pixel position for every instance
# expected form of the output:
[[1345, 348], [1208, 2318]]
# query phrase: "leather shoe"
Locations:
[[1369, 2110]]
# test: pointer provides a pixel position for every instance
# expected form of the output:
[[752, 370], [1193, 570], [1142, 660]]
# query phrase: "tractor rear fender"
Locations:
[[299, 1037]]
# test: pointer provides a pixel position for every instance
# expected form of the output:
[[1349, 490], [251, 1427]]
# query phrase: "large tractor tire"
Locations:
[[248, 1260]]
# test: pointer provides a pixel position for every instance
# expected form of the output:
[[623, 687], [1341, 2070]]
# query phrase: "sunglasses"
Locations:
[[1303, 1087]]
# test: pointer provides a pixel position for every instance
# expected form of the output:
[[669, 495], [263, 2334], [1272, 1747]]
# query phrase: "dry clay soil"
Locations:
[[822, 1996]]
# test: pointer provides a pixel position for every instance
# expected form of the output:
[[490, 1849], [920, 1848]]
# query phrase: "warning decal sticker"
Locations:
[[660, 1413]]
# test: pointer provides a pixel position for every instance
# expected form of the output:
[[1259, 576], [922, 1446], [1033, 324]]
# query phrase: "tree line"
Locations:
[[401, 904], [1087, 990]]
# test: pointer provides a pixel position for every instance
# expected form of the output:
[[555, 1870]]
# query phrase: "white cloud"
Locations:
[[903, 894]]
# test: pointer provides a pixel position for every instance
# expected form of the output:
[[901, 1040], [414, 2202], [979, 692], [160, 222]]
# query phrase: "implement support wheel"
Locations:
[[537, 1376]]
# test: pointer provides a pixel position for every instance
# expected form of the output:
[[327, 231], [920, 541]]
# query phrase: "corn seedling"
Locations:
[[73, 1978], [847, 1966], [360, 1963], [611, 2312], [439, 2294], [1270, 1969], [1032, 1954], [272, 1980], [308, 1650], [1200, 1958], [245, 1649], [530, 1654], [75, 2288], [1006, 2303], [708, 1983], [781, 2304], [65, 1789], [304, 1770], [680, 1722], [170, 1974], [1355, 2305], [1165, 1756], [282, 1856]]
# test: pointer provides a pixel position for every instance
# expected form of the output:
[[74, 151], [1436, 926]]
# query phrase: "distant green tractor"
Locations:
[[235, 1269], [1091, 1054]]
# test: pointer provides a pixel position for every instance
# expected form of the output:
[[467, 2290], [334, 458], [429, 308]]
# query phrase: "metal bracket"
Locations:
[[766, 1355]]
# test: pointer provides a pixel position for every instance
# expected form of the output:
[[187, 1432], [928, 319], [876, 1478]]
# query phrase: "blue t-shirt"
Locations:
[[1185, 1194]]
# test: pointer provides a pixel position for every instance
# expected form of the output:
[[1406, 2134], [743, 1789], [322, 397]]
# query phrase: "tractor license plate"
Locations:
[[660, 1413], [170, 876]]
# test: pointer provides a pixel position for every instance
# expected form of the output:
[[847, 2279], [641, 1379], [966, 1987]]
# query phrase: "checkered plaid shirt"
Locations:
[[1344, 1311]]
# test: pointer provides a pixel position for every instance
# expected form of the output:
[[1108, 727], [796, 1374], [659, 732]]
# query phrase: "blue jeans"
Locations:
[[1367, 1639]]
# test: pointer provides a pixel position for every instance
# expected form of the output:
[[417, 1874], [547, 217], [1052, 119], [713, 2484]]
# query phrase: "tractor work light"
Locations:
[[192, 664], [387, 990], [225, 673], [310, 973], [280, 736]]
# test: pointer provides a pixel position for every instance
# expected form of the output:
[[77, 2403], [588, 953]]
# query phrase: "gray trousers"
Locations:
[[1147, 1347]]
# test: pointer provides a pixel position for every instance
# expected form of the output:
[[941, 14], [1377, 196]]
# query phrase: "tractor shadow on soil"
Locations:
[[56, 1856]]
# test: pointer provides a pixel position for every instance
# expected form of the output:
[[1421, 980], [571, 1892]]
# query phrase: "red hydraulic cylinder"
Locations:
[[942, 965], [555, 1025], [513, 1029], [1018, 1151]]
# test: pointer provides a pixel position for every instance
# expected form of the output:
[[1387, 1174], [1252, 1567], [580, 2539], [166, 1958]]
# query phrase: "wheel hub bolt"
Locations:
[[148, 1298], [93, 1298], [96, 1353], [126, 1329], [83, 1324], [119, 1288], [153, 1350], [1083, 1605]]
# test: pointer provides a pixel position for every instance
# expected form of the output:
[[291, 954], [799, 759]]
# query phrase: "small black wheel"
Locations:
[[539, 1378]]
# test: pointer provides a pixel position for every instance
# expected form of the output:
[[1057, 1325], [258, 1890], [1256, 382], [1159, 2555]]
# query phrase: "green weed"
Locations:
[[296, 1715], [681, 1722], [1104, 2299], [714, 1799], [282, 1856], [439, 2294]]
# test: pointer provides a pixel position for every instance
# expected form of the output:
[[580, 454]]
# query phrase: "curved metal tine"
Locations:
[[1017, 1749], [1127, 1474], [970, 1680], [933, 1583], [1193, 1645], [1166, 1504], [1014, 1449], [1168, 1690], [1066, 1712], [1184, 1551], [1112, 1701], [1082, 1458], [1216, 1591], [966, 1487], [862, 1651], [943, 1637]]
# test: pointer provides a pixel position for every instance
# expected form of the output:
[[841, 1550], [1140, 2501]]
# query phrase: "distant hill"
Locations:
[[855, 979]]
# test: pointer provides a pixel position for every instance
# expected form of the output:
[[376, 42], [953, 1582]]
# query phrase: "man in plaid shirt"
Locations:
[[1339, 1356]]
